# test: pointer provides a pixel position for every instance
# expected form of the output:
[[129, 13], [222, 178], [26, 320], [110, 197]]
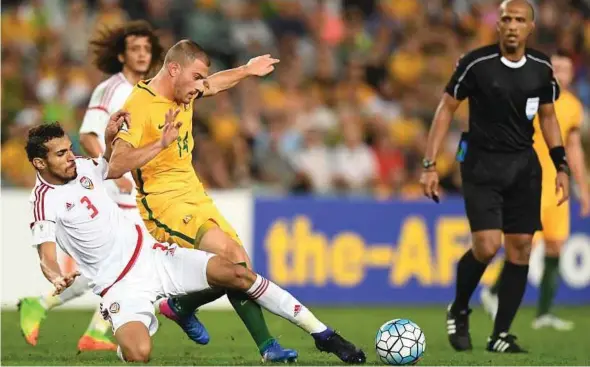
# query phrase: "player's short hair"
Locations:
[[112, 42], [38, 136], [185, 52]]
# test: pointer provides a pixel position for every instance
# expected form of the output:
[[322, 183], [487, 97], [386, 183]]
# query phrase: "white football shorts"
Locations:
[[161, 270]]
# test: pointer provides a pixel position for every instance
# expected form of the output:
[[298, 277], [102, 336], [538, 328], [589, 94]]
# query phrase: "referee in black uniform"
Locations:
[[507, 84]]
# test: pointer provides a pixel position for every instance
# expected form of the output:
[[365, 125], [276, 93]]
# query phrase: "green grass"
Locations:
[[231, 344]]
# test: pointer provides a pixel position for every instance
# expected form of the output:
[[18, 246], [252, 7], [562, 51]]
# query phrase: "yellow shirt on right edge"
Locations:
[[570, 112]]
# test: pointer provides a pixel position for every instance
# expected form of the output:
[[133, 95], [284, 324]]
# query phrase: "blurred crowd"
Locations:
[[347, 110]]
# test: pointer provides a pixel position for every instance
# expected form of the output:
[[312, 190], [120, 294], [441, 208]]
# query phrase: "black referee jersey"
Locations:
[[504, 96]]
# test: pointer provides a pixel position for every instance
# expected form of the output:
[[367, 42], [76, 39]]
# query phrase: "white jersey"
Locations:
[[86, 224], [107, 98], [125, 265]]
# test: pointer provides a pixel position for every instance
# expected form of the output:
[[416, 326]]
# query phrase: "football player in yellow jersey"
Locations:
[[172, 200], [555, 219]]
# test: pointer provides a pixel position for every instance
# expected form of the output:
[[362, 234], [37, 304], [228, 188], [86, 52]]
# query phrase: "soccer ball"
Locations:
[[400, 342]]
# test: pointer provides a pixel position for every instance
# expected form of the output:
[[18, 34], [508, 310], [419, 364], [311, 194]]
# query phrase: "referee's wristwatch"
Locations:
[[427, 164]]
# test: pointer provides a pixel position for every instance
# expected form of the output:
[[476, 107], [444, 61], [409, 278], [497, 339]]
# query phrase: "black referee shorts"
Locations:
[[502, 190]]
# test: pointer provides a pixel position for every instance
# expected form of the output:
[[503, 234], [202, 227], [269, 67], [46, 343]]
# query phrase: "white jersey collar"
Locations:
[[513, 64]]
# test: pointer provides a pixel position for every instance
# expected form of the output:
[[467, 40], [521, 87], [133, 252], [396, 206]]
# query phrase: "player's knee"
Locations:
[[222, 273], [485, 252], [486, 244], [242, 278], [553, 248], [234, 252], [139, 352], [518, 248]]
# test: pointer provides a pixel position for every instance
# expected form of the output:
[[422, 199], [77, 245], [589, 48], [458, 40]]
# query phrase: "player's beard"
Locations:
[[511, 48], [65, 178]]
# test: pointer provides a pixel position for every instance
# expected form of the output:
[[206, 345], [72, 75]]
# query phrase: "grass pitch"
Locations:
[[231, 344]]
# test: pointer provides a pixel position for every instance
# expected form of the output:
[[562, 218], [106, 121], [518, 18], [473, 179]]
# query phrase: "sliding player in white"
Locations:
[[123, 263], [127, 53]]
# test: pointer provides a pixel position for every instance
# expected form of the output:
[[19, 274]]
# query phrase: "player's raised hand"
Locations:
[[429, 181], [116, 122], [261, 65], [562, 183], [61, 283], [171, 128]]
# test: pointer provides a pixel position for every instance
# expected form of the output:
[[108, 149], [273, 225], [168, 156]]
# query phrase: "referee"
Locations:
[[507, 84]]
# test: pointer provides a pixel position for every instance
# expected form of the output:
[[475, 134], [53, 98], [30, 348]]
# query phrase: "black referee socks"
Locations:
[[469, 272], [510, 292]]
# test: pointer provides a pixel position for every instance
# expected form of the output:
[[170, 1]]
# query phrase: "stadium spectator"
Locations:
[[386, 60]]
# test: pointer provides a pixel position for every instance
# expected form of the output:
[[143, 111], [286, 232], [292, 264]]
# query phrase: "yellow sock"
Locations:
[[98, 323]]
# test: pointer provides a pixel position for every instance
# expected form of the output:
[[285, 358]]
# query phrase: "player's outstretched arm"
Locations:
[[223, 80], [125, 157], [575, 155], [48, 258], [115, 124], [438, 131]]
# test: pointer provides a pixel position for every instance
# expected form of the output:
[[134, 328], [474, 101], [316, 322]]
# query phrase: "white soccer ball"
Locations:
[[400, 342]]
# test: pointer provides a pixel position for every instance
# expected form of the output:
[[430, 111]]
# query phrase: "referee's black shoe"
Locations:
[[458, 329], [504, 343]]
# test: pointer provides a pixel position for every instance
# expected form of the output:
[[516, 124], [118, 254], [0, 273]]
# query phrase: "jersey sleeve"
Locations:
[[550, 91], [98, 166], [43, 215], [97, 114], [139, 119], [461, 84], [102, 167], [43, 231]]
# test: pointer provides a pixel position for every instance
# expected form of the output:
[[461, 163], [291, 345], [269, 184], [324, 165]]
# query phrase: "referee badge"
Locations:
[[532, 106]]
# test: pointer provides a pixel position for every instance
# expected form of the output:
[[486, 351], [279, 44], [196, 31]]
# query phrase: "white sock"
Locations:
[[282, 303], [120, 354], [98, 323], [77, 289]]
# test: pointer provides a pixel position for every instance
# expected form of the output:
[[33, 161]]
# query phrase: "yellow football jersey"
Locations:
[[569, 113], [170, 174]]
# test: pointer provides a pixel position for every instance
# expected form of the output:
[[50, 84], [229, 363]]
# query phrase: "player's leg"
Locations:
[[219, 272], [95, 338], [489, 297], [483, 206], [135, 344], [33, 310], [522, 218], [216, 241], [133, 321], [213, 239], [555, 230], [172, 227], [512, 285], [216, 236]]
